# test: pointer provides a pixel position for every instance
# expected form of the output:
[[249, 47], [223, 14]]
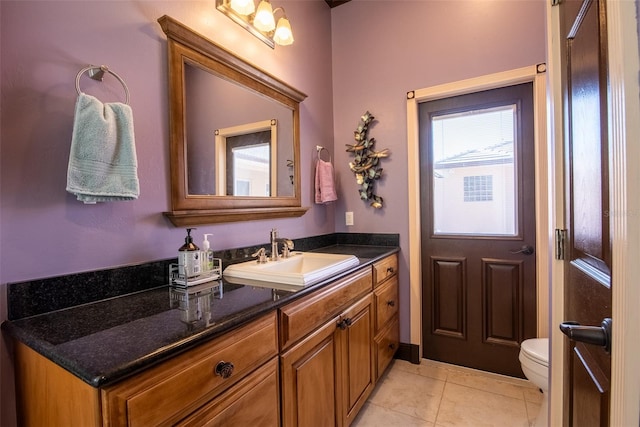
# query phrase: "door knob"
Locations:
[[597, 335], [525, 249]]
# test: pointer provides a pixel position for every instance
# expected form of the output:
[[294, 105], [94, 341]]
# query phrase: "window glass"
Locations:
[[474, 189]]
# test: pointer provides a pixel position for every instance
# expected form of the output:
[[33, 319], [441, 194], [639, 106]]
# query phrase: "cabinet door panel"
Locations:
[[308, 380], [358, 367]]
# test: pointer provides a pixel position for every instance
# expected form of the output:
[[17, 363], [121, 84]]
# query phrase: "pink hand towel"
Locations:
[[325, 188]]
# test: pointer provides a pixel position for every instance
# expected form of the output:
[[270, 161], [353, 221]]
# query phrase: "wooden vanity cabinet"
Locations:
[[387, 329], [189, 389], [327, 354], [184, 385], [314, 361]]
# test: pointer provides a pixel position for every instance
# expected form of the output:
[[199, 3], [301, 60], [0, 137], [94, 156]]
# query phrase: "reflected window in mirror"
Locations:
[[248, 154]]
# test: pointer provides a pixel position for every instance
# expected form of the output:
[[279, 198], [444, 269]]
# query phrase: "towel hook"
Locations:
[[97, 73], [319, 149]]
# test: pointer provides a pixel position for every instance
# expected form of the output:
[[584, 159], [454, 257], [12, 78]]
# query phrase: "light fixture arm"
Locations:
[[279, 8]]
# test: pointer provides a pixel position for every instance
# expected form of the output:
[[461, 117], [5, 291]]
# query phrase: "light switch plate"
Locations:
[[348, 218]]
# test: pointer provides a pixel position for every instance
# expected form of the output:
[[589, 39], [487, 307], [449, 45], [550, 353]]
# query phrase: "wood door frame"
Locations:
[[624, 106], [535, 74]]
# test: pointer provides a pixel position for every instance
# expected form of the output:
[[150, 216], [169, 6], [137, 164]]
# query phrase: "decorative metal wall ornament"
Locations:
[[365, 164]]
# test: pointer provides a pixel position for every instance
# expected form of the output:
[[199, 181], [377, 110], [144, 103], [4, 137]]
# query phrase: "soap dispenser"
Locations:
[[207, 255], [189, 263]]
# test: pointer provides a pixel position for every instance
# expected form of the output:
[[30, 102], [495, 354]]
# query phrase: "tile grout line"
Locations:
[[446, 381]]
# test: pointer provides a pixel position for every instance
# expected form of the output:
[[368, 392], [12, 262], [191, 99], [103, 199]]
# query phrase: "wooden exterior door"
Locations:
[[588, 257], [478, 227]]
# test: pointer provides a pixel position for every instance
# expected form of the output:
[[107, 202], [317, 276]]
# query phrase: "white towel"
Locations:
[[102, 162], [325, 187]]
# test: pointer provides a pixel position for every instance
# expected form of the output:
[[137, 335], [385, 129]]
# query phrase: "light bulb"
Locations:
[[264, 17], [283, 35], [243, 7]]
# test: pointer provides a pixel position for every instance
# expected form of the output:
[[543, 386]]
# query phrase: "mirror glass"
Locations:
[[234, 135], [221, 134]]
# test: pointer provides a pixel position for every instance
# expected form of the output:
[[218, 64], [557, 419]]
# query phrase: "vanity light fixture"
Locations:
[[260, 22]]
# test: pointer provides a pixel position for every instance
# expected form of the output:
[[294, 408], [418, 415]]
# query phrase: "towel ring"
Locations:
[[320, 148], [97, 73]]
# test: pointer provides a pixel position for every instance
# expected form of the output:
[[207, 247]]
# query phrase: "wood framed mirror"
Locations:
[[212, 90]]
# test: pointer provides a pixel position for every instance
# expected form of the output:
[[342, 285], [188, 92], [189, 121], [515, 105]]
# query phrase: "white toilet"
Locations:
[[534, 358]]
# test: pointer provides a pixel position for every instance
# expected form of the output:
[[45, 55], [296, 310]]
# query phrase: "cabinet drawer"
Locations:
[[303, 316], [173, 389], [387, 343], [254, 401], [386, 301], [384, 269]]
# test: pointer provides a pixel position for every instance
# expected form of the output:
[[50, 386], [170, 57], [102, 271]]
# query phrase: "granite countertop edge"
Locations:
[[166, 352]]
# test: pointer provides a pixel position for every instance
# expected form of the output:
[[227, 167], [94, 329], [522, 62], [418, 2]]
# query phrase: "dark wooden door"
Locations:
[[588, 259], [478, 227]]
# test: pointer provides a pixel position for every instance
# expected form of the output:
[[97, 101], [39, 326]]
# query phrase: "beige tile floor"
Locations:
[[435, 394]]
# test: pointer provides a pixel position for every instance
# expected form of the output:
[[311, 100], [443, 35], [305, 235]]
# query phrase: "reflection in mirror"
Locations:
[[204, 114], [210, 90], [247, 158], [250, 170]]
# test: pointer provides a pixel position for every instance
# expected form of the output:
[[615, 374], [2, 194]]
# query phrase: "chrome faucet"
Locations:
[[287, 245]]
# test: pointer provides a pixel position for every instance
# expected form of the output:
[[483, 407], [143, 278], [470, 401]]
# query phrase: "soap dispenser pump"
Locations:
[[207, 255], [189, 263]]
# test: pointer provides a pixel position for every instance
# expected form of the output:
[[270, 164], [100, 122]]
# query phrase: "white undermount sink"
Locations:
[[300, 269]]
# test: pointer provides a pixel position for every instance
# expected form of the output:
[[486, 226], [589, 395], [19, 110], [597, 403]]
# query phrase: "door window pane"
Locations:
[[474, 191]]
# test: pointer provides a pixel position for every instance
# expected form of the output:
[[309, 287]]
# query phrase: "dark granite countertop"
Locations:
[[108, 340]]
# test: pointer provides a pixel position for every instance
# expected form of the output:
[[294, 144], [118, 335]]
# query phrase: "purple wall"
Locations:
[[382, 52]]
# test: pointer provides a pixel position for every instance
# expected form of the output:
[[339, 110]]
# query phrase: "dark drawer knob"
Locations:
[[390, 270], [391, 303], [224, 369], [392, 346], [345, 323]]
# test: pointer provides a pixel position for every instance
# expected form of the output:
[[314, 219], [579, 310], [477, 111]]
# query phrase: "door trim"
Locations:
[[555, 134], [624, 108], [535, 74]]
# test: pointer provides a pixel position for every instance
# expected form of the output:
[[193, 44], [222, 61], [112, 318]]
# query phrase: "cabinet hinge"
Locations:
[[561, 237], [555, 2]]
